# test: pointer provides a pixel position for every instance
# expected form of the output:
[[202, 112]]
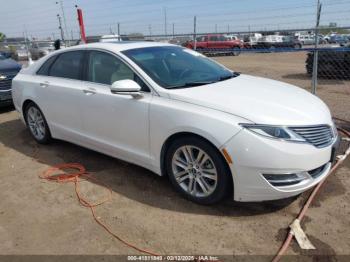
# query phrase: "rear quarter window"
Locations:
[[44, 69]]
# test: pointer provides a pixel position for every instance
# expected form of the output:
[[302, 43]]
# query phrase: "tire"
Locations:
[[37, 124], [211, 181], [236, 51], [297, 46]]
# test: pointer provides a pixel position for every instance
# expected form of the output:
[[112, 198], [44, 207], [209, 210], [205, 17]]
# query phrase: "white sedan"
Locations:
[[212, 131]]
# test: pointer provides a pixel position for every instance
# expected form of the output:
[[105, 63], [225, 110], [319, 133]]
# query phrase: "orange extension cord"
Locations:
[[77, 177]]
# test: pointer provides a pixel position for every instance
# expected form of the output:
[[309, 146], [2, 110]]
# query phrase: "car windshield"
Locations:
[[2, 57], [175, 67]]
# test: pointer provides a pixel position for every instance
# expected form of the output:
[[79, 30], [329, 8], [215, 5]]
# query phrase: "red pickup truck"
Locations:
[[217, 42]]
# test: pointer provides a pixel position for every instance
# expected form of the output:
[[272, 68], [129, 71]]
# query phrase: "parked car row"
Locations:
[[233, 44]]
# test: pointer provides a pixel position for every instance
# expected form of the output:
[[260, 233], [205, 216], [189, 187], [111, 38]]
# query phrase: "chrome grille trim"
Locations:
[[6, 84], [319, 136]]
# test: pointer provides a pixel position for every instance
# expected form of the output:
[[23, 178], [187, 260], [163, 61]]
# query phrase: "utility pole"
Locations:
[[173, 30], [165, 23], [118, 27], [150, 29], [25, 34], [64, 18], [315, 62], [60, 27], [228, 29], [195, 33], [216, 28]]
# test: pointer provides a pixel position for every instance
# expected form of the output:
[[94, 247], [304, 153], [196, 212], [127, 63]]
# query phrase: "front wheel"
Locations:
[[198, 171]]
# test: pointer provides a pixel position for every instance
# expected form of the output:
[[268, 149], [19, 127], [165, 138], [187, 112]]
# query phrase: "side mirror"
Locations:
[[126, 87]]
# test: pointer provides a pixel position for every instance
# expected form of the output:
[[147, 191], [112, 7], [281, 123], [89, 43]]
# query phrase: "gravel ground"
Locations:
[[39, 217]]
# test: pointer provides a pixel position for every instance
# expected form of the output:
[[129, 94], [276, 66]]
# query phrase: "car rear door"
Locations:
[[61, 91], [115, 124], [213, 41]]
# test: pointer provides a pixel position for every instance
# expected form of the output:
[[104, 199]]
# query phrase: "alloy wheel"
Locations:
[[36, 123], [194, 171]]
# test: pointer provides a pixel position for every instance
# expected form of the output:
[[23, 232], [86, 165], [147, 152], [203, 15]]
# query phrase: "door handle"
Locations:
[[44, 84], [89, 91]]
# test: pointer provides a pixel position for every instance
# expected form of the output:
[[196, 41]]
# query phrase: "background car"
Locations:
[[251, 40], [331, 64], [20, 52], [278, 41], [6, 54], [216, 42], [8, 70], [40, 49], [113, 38], [338, 39]]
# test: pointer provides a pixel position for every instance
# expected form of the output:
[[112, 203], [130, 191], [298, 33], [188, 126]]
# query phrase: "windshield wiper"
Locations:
[[191, 84], [235, 74]]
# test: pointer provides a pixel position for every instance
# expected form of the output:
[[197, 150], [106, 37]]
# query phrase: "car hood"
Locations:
[[9, 65], [259, 100]]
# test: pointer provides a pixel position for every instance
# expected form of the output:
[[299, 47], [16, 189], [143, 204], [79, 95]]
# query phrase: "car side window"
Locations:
[[105, 69], [221, 38], [67, 65], [213, 38], [44, 69]]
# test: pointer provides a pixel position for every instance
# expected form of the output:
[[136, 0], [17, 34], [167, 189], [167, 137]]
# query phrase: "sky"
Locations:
[[39, 17]]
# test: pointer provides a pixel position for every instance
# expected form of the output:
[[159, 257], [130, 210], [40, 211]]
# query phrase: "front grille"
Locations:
[[7, 83], [319, 136]]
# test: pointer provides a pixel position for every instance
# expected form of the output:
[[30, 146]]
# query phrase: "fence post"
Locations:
[[195, 33], [315, 62]]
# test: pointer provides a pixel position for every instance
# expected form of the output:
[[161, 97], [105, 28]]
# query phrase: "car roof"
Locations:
[[113, 47], [118, 46]]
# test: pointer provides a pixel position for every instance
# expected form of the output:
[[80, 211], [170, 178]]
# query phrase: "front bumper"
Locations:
[[5, 98], [254, 155]]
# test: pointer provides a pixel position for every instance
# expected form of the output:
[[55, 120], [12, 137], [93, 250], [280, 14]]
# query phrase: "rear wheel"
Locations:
[[197, 170], [297, 46], [236, 51], [37, 124]]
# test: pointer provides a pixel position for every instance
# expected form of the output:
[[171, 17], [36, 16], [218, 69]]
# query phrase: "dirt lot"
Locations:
[[39, 217]]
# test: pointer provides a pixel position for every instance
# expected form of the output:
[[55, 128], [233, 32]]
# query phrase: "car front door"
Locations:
[[59, 81], [115, 124]]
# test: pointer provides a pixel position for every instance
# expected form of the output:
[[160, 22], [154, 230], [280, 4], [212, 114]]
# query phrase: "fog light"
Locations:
[[284, 179]]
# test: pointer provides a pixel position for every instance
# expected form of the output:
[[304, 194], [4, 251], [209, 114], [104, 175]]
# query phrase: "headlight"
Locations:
[[276, 132]]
